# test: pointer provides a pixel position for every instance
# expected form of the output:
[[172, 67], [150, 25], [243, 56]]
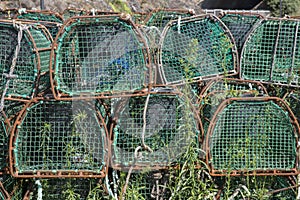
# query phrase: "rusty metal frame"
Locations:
[[48, 173], [236, 66], [58, 95], [138, 166], [35, 50], [44, 12], [294, 122]]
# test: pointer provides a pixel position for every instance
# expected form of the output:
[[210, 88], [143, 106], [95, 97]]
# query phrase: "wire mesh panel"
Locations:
[[196, 48], [260, 187], [66, 189], [151, 131], [271, 53], [12, 188], [160, 17], [252, 135], [240, 25], [25, 53], [58, 138], [100, 55], [216, 91]]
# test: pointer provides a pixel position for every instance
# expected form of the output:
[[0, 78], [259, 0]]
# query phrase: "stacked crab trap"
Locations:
[[97, 103]]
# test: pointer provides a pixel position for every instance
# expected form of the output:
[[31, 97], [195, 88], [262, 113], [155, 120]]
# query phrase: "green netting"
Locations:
[[51, 20], [221, 89], [259, 187], [57, 136], [170, 127], [14, 187], [40, 16], [99, 54], [252, 135], [26, 69], [67, 189], [293, 99], [196, 48], [240, 25], [271, 53], [142, 185], [160, 18]]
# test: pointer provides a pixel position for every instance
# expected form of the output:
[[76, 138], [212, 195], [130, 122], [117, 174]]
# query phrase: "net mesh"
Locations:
[[27, 63], [99, 55], [15, 188], [270, 53], [196, 48], [218, 90], [293, 99], [170, 128], [240, 25], [66, 189], [252, 135], [160, 18], [52, 21], [57, 136]]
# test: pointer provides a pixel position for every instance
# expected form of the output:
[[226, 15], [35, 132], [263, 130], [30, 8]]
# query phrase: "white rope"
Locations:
[[145, 146], [40, 190], [136, 158], [179, 23], [10, 75]]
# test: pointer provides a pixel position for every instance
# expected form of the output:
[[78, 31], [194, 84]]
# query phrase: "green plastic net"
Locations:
[[21, 78], [218, 90], [271, 53], [100, 55], [163, 124], [252, 135], [196, 48], [58, 136], [13, 189], [240, 25], [160, 18], [51, 20], [70, 188], [293, 99]]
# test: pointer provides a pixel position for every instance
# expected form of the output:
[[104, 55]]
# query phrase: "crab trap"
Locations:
[[196, 48], [252, 135], [271, 53], [99, 56], [66, 189], [240, 25], [58, 139], [152, 130], [141, 185], [216, 91], [259, 187], [24, 63]]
